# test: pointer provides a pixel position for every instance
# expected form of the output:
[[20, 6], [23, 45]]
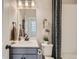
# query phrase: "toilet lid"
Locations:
[[49, 58]]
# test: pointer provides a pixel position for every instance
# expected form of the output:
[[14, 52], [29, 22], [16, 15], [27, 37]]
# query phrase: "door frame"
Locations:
[[56, 28]]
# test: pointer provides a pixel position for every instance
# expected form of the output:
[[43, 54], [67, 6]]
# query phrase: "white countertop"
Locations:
[[30, 43]]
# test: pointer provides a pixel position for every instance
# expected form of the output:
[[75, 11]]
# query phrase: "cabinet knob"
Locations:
[[22, 58]]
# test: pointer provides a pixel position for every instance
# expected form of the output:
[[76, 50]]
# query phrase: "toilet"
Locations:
[[47, 50]]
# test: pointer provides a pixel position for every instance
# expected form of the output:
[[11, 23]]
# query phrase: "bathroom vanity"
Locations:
[[23, 50]]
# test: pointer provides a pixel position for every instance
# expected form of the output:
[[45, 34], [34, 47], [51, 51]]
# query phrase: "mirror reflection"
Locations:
[[27, 16]]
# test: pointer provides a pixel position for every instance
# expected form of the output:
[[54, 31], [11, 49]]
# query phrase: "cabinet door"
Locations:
[[30, 57], [16, 57]]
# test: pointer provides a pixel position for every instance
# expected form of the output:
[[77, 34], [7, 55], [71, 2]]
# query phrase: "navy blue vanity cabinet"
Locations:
[[13, 56], [30, 57], [23, 53]]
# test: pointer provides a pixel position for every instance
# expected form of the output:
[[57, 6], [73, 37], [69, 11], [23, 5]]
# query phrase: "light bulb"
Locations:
[[32, 4], [26, 3], [20, 3]]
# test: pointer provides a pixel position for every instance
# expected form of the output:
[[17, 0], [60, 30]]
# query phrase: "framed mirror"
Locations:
[[27, 16]]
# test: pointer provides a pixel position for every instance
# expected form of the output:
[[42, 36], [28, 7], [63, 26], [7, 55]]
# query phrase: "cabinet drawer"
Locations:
[[16, 56], [30, 57], [23, 57], [23, 51]]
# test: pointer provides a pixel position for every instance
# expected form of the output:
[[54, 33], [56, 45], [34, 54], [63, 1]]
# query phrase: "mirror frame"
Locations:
[[56, 28]]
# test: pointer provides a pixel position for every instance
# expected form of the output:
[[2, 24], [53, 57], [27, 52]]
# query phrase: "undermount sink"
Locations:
[[29, 43]]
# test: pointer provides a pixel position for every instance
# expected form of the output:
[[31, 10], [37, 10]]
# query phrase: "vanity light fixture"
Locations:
[[19, 3], [26, 3], [32, 3]]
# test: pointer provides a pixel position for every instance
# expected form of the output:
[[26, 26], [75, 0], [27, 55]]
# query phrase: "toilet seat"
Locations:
[[48, 57]]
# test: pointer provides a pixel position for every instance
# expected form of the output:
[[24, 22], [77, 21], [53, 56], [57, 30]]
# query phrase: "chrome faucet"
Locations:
[[26, 37]]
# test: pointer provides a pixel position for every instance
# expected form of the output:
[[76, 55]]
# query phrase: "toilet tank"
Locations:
[[47, 49]]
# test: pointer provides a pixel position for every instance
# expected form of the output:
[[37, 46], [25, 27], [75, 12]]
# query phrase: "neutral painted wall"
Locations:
[[9, 15], [69, 1], [69, 28], [44, 11]]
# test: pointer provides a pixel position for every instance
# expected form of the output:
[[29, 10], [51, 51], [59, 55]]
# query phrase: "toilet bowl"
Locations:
[[47, 50]]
